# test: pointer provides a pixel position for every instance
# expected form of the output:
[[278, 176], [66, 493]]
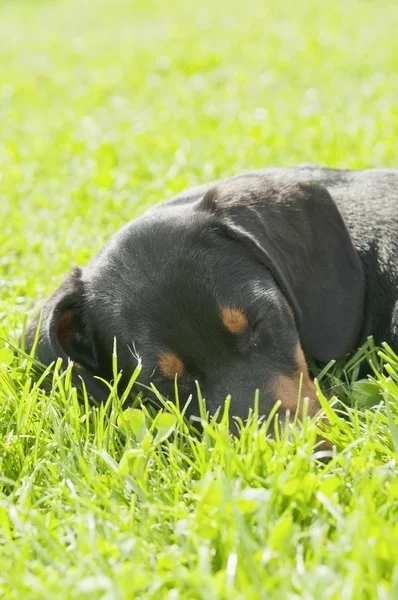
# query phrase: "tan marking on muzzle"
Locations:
[[286, 388], [170, 365], [235, 320]]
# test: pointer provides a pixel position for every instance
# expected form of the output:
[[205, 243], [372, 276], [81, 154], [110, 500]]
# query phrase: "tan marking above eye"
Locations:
[[286, 387], [170, 365], [235, 320]]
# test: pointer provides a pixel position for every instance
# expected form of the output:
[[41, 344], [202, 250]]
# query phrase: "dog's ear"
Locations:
[[65, 333], [296, 230]]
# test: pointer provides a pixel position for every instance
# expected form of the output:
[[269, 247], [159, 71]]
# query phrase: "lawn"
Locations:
[[105, 109]]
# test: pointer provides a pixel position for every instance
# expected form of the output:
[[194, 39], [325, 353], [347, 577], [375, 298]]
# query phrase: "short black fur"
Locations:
[[309, 255]]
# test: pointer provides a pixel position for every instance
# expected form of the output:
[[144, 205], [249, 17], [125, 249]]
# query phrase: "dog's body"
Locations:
[[228, 283]]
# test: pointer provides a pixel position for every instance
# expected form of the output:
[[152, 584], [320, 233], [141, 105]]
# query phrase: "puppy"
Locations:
[[232, 284]]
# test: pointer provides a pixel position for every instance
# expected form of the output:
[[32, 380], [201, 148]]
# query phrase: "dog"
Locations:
[[233, 285]]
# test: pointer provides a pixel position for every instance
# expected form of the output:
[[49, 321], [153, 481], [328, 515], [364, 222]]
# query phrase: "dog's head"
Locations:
[[229, 290]]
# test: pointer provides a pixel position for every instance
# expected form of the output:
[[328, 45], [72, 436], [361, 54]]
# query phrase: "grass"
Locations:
[[106, 108]]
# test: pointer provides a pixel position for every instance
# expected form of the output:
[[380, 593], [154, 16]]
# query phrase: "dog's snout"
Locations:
[[291, 389], [291, 392]]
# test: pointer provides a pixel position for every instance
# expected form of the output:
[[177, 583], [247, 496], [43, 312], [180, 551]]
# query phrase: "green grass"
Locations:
[[106, 108]]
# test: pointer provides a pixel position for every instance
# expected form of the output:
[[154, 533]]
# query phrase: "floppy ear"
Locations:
[[65, 333], [296, 230]]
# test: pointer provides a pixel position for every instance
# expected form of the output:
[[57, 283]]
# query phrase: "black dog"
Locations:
[[230, 284]]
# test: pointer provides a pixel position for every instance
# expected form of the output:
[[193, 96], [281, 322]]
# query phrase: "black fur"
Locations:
[[309, 254]]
